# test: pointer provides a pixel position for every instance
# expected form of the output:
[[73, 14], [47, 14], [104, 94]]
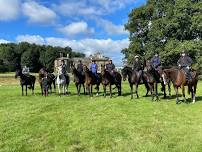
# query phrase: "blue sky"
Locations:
[[85, 25]]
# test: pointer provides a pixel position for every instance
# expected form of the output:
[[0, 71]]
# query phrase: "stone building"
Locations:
[[98, 57]]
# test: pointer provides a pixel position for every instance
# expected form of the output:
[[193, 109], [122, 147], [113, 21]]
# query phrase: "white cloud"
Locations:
[[3, 41], [38, 13], [109, 47], [111, 28], [76, 28], [31, 39], [76, 8], [9, 9], [90, 7]]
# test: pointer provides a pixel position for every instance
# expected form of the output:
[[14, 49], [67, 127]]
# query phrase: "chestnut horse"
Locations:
[[91, 80], [178, 78]]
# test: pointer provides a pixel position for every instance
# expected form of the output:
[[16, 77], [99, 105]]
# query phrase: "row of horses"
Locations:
[[150, 78]]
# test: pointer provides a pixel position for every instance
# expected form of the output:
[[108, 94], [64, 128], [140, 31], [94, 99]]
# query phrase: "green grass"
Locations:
[[72, 123]]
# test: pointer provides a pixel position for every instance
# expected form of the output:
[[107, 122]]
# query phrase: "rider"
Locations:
[[185, 63], [80, 67], [155, 61], [25, 70], [110, 67], [137, 66], [93, 68], [64, 67]]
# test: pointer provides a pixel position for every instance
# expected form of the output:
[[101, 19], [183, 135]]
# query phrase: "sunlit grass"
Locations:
[[72, 123]]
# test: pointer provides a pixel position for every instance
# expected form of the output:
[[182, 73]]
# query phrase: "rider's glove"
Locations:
[[188, 67]]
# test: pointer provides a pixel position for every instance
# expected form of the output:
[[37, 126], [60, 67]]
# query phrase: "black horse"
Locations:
[[27, 81], [79, 79], [90, 80], [108, 79], [51, 79], [153, 78], [135, 78]]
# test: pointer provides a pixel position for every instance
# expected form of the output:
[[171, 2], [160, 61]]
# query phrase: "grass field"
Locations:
[[72, 123]]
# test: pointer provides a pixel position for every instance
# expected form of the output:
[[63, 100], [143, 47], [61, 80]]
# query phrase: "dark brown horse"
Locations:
[[79, 79], [108, 79], [153, 77], [90, 80], [178, 78], [27, 81], [134, 78], [51, 79]]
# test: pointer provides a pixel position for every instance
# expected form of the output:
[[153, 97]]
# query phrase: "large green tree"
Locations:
[[35, 56], [166, 26]]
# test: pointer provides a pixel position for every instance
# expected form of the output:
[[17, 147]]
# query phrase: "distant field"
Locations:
[[74, 124]]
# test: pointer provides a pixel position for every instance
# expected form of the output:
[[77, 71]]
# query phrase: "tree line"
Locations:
[[34, 56], [167, 27]]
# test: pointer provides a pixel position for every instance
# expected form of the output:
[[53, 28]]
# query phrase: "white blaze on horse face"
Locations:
[[164, 79]]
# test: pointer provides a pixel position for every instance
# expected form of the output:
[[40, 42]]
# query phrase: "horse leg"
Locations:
[[91, 90], [84, 89], [104, 88], [54, 86], [136, 90], [131, 91], [147, 87], [59, 89], [156, 91], [169, 89], [119, 90], [97, 94], [41, 89], [177, 98], [33, 89], [193, 95], [110, 89], [26, 89], [183, 93], [164, 89], [22, 90]]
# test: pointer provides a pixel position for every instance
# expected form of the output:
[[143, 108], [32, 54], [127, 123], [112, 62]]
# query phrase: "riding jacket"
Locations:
[[156, 61], [93, 68], [137, 65], [185, 61], [110, 67], [80, 68], [64, 68]]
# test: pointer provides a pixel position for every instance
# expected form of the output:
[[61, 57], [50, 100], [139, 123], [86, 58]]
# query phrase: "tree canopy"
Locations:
[[31, 55], [167, 27]]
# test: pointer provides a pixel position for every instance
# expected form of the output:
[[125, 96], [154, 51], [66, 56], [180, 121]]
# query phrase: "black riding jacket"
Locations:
[[185, 61], [110, 67], [137, 65], [80, 67]]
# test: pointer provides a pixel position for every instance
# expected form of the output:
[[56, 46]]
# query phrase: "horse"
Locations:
[[90, 80], [153, 77], [178, 78], [134, 78], [108, 79], [25, 81], [51, 79], [62, 81], [79, 79]]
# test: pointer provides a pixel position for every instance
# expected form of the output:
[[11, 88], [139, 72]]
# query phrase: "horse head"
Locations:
[[149, 66], [125, 71], [85, 68], [18, 73]]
